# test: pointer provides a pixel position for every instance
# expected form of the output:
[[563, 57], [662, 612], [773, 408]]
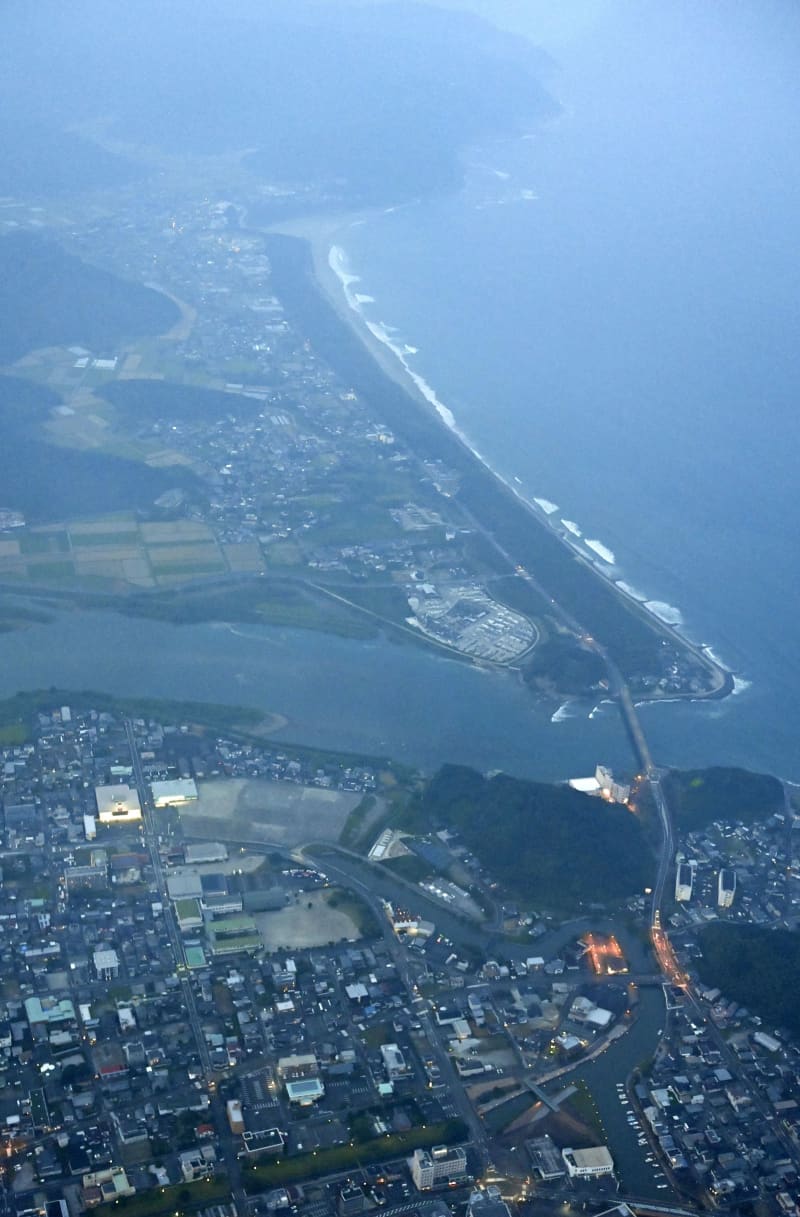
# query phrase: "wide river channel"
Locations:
[[377, 697]]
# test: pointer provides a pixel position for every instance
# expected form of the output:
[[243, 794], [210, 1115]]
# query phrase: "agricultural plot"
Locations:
[[118, 550]]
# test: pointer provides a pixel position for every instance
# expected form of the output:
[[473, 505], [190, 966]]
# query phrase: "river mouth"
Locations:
[[370, 697]]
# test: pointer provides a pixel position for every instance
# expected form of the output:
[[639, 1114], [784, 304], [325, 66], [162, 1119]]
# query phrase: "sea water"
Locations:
[[608, 312]]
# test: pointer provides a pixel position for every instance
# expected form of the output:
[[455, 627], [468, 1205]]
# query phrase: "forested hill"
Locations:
[[50, 298], [755, 966], [700, 796], [373, 102], [549, 845]]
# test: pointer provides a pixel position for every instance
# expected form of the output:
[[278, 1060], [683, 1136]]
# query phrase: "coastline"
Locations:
[[319, 235], [319, 238]]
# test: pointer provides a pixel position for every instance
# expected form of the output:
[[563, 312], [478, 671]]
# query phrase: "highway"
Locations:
[[665, 955], [619, 690]]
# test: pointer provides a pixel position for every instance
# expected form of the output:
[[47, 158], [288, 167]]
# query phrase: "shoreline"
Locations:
[[319, 238]]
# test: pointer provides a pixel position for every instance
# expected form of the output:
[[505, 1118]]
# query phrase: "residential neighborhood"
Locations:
[[244, 1026]]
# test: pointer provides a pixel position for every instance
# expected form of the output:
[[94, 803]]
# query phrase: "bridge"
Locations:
[[633, 726], [553, 1102], [644, 1207]]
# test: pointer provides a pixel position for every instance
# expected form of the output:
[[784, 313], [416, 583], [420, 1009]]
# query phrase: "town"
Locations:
[[236, 978], [289, 492], [231, 986]]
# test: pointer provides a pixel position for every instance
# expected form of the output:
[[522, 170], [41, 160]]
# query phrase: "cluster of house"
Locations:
[[278, 458], [740, 870], [723, 1122]]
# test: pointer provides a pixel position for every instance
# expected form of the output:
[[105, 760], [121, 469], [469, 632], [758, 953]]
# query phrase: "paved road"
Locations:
[[218, 1111], [407, 970]]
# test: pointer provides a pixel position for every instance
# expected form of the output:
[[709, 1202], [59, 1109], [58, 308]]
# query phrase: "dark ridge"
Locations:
[[51, 298]]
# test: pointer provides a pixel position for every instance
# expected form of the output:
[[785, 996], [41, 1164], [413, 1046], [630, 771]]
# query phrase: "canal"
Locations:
[[638, 1177]]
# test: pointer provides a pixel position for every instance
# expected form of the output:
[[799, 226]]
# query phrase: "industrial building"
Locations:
[[588, 1163], [174, 793], [205, 851]]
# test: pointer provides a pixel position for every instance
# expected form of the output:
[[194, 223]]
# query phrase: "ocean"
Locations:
[[608, 312]]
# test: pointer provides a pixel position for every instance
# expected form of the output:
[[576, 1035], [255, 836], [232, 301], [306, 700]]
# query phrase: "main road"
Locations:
[[619, 690], [151, 837]]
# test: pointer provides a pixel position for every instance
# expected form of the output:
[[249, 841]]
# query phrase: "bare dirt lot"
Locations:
[[278, 813], [308, 922]]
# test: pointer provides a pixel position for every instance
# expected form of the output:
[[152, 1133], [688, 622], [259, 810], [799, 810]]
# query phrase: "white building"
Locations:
[[615, 791], [441, 1166], [684, 881], [588, 1163], [476, 1010], [184, 885], [205, 851], [174, 793], [106, 964], [407, 923], [118, 804], [233, 1110], [305, 1091], [726, 888], [602, 785], [393, 1061], [585, 1011], [126, 1018], [300, 1076], [299, 1065], [89, 828]]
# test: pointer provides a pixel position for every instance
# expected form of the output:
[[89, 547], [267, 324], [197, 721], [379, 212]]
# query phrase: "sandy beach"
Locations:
[[321, 234]]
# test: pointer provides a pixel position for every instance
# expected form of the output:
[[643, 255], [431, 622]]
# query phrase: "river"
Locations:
[[377, 697]]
